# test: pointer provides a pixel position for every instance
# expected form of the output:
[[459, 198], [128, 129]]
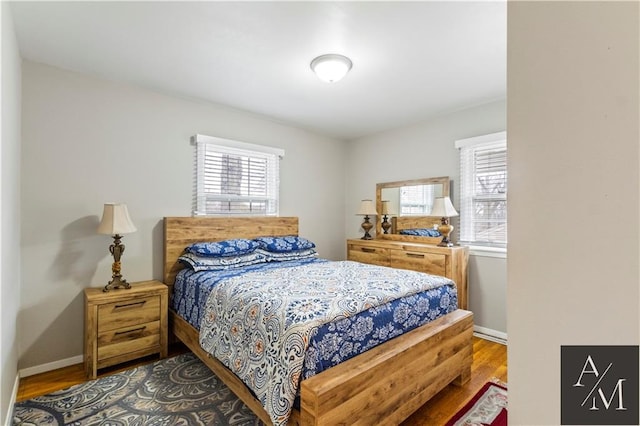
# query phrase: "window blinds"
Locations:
[[483, 190], [416, 200], [235, 178]]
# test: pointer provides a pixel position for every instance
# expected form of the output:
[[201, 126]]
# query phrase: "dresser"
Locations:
[[124, 324], [450, 262]]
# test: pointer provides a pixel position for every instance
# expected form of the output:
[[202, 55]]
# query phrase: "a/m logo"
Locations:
[[599, 385]]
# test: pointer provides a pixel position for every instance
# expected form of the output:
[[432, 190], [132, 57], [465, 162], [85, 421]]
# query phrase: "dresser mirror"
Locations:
[[404, 206]]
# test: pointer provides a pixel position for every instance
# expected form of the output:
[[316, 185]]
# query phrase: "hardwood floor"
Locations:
[[489, 361]]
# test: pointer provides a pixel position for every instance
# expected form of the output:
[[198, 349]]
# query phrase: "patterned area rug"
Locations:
[[174, 391], [487, 407]]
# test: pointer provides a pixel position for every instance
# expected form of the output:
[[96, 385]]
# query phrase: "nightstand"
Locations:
[[124, 324]]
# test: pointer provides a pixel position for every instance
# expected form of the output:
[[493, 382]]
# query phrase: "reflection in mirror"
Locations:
[[386, 211], [412, 200], [406, 205]]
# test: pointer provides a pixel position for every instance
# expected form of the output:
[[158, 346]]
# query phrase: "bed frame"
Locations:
[[384, 385]]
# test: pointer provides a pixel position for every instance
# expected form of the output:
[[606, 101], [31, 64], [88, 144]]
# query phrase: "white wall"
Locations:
[[427, 150], [9, 211], [488, 293], [573, 267], [87, 141]]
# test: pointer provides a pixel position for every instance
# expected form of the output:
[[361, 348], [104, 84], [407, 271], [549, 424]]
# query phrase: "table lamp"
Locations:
[[387, 210], [115, 222], [443, 207], [367, 209]]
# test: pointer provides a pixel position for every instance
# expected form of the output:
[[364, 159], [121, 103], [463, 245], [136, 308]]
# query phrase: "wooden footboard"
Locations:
[[384, 385]]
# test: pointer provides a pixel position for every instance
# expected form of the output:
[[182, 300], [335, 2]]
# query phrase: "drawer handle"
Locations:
[[416, 255], [368, 250], [130, 305], [135, 330]]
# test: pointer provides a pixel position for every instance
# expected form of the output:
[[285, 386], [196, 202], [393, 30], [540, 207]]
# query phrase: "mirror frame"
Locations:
[[445, 181]]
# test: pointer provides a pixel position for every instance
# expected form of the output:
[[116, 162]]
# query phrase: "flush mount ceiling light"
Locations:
[[331, 67]]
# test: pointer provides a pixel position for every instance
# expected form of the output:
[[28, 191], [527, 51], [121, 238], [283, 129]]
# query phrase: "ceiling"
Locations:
[[411, 60]]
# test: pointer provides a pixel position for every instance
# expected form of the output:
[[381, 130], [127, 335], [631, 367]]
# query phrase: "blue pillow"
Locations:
[[421, 232], [285, 256], [208, 263], [284, 244], [223, 248]]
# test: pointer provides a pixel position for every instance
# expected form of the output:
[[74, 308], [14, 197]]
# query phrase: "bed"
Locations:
[[382, 385]]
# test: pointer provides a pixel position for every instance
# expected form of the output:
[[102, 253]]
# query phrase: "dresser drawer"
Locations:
[[450, 262], [367, 254], [430, 263], [128, 313], [128, 339]]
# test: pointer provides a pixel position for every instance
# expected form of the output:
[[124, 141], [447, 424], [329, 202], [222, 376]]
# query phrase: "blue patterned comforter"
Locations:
[[275, 324]]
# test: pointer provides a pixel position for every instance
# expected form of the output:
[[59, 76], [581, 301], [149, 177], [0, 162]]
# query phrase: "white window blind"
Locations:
[[235, 178], [416, 200], [483, 190]]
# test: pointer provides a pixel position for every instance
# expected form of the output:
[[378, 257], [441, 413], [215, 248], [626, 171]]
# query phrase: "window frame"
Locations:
[[467, 180], [269, 154]]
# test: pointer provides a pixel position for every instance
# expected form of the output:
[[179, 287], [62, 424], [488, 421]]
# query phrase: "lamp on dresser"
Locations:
[[367, 209], [116, 222], [443, 207], [387, 210]]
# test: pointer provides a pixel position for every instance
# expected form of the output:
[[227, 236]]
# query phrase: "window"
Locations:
[[235, 178], [483, 190], [416, 200]]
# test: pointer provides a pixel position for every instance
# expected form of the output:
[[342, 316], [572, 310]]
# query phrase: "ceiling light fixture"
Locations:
[[331, 67]]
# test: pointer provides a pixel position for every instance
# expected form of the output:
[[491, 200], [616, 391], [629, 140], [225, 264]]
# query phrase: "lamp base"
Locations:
[[445, 243], [116, 282], [445, 229], [116, 250], [366, 225], [385, 224]]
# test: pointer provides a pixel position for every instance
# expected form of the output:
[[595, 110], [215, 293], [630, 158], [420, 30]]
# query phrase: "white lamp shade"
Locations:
[[388, 208], [442, 207], [116, 220], [367, 208], [331, 67]]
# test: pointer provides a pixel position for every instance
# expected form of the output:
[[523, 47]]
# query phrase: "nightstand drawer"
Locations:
[[128, 312], [417, 261], [128, 339], [367, 254]]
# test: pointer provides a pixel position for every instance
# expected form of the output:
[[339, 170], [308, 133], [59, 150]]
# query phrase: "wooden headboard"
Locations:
[[413, 222], [179, 232]]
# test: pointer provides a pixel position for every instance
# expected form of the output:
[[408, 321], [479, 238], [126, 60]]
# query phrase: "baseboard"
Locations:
[[43, 368], [12, 401], [489, 334]]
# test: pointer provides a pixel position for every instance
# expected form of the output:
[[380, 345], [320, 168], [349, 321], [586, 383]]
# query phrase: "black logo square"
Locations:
[[599, 385]]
